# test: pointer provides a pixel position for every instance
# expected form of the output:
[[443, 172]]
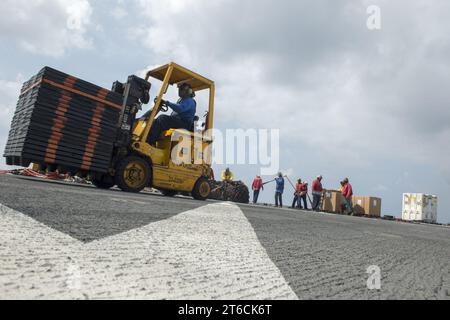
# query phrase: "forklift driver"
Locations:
[[182, 116]]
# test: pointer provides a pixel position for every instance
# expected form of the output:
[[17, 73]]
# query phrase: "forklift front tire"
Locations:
[[202, 189], [133, 174]]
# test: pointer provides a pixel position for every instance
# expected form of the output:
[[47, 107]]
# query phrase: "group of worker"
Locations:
[[301, 193]]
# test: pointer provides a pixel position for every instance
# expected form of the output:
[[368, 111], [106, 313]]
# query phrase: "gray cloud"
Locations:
[[9, 91], [46, 27], [317, 61]]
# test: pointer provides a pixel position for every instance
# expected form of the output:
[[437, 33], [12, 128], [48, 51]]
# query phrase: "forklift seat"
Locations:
[[191, 129]]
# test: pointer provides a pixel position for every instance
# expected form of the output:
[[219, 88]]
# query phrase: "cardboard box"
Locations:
[[332, 201], [358, 205], [372, 206], [369, 206]]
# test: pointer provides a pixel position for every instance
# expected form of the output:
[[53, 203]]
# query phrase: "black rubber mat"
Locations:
[[64, 121]]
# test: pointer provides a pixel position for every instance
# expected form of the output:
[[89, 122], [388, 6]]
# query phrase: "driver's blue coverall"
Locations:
[[182, 117]]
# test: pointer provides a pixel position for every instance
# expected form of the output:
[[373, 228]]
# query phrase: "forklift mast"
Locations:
[[136, 92]]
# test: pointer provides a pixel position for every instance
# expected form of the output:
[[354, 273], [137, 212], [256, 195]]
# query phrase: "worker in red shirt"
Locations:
[[303, 195], [257, 186], [347, 193], [298, 189], [317, 191]]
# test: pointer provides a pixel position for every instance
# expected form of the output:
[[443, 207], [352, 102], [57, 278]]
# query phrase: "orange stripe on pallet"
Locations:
[[93, 133], [56, 134], [57, 127], [58, 123], [102, 94], [30, 87], [93, 139], [68, 86], [94, 136], [50, 153], [91, 150], [53, 140], [63, 87], [96, 122], [70, 81], [60, 119], [52, 146]]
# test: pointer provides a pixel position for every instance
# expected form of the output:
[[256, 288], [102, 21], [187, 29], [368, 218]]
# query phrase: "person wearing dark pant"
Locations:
[[255, 196], [296, 202], [279, 190], [278, 199], [257, 186], [317, 191], [301, 189], [303, 195], [163, 123], [305, 204], [347, 193], [316, 201]]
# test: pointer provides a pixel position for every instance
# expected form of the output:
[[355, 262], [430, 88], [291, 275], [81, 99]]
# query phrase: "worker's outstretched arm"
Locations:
[[184, 106]]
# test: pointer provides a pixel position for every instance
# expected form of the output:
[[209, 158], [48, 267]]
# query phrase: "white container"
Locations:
[[419, 207]]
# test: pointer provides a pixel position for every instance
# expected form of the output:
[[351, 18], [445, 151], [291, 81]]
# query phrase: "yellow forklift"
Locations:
[[180, 160]]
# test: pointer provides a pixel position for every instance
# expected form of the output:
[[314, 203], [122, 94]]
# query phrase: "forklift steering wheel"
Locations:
[[162, 106]]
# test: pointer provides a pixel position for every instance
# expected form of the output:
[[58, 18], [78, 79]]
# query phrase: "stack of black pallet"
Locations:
[[63, 121]]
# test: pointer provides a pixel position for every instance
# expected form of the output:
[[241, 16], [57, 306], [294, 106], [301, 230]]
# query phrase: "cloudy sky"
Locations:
[[368, 104]]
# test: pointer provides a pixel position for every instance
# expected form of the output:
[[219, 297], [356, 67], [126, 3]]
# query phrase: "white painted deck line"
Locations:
[[211, 252]]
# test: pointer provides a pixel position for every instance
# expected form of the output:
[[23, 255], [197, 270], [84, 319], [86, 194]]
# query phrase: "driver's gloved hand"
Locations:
[[163, 102]]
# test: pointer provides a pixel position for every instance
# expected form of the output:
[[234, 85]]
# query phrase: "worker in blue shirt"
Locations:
[[182, 116], [279, 190]]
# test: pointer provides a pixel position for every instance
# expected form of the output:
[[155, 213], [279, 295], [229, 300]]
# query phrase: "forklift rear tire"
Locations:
[[104, 182], [133, 174], [202, 189], [169, 193]]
